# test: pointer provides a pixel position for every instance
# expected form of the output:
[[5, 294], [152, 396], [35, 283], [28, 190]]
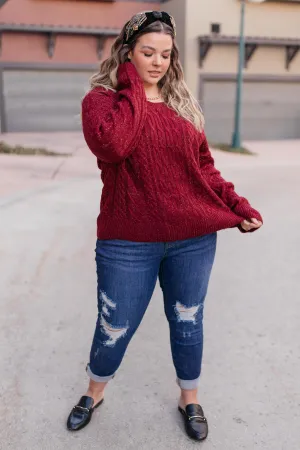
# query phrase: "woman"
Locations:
[[162, 203]]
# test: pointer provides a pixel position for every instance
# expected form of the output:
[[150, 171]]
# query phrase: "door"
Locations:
[[270, 110], [40, 100]]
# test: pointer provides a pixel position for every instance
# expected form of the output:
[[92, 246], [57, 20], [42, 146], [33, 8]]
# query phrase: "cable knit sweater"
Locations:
[[160, 183]]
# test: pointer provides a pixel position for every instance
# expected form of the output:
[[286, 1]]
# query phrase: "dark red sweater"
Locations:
[[160, 183]]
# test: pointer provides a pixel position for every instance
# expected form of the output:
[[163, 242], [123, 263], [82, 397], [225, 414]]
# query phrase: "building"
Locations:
[[49, 50], [51, 47], [208, 39]]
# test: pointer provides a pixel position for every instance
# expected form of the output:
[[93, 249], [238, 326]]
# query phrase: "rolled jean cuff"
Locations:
[[188, 385], [96, 377]]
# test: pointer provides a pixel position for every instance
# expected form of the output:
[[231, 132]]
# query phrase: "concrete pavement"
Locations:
[[250, 385], [22, 173]]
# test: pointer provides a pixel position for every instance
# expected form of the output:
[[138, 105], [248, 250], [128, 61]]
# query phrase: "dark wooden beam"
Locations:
[[204, 49], [249, 51], [291, 52], [100, 45], [83, 31], [264, 41], [2, 2], [9, 65], [291, 46], [51, 44], [2, 105]]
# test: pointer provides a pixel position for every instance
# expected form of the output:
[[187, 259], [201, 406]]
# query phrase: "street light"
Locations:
[[236, 138]]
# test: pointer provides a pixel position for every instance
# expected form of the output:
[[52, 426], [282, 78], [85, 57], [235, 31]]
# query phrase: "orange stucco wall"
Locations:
[[26, 47], [85, 13], [23, 47]]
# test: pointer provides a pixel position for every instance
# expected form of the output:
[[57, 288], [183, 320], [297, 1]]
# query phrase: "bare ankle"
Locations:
[[188, 397], [96, 387], [96, 396]]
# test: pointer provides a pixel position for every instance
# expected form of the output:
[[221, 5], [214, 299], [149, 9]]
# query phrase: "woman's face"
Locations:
[[152, 56]]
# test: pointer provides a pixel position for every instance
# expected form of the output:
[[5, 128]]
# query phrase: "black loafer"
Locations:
[[82, 413], [195, 422]]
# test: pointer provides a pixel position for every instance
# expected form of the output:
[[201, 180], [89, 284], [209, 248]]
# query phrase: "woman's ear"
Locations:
[[129, 56], [123, 54]]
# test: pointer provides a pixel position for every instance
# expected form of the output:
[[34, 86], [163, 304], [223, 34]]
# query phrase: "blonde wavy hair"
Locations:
[[174, 90]]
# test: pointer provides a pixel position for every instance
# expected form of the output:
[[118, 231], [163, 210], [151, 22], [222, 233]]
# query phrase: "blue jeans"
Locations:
[[127, 274]]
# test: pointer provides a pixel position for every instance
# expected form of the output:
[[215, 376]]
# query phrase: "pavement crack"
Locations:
[[58, 168], [61, 164]]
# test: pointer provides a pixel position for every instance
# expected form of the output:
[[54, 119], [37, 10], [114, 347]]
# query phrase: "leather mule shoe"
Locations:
[[82, 413], [196, 425]]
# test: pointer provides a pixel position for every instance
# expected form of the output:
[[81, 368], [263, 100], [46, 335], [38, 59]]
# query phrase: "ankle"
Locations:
[[188, 398], [95, 394], [96, 390]]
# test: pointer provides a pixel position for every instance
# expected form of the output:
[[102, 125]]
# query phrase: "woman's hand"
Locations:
[[251, 225]]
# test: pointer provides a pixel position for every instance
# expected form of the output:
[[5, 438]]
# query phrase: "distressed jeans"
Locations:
[[127, 275]]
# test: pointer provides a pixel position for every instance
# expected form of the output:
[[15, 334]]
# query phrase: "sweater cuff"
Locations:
[[129, 77], [247, 212]]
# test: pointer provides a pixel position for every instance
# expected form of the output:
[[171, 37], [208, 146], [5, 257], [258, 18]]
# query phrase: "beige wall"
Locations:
[[264, 20], [177, 8], [265, 61]]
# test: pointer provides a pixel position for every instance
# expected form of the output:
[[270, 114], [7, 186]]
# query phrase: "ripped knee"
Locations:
[[114, 333], [186, 313], [107, 304]]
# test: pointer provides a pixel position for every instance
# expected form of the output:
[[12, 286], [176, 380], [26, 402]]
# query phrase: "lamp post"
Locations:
[[236, 138]]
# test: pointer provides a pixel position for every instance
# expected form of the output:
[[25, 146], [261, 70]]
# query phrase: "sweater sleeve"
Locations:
[[112, 122], [224, 189]]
